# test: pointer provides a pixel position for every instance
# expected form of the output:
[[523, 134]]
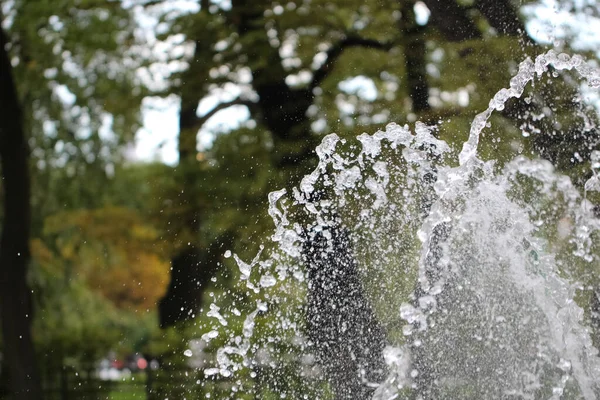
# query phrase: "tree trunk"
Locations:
[[414, 53], [15, 295], [192, 269], [346, 336], [281, 109], [189, 274], [195, 263]]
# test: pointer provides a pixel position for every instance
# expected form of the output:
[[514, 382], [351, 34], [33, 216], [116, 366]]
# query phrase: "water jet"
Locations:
[[428, 274]]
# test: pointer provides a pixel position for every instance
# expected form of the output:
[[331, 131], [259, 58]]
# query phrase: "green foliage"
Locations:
[[98, 273], [76, 325], [75, 66]]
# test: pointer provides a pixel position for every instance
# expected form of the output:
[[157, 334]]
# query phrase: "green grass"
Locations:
[[128, 392], [130, 389]]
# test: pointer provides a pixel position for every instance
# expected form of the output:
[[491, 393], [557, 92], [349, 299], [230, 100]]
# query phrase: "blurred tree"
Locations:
[[307, 67], [75, 65], [97, 275], [277, 106], [15, 295], [291, 68], [114, 252], [70, 99]]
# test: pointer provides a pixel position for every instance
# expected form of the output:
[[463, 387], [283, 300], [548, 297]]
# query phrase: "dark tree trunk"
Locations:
[[191, 272], [280, 108], [189, 167], [414, 53], [346, 336], [183, 298], [193, 265], [192, 88], [15, 294]]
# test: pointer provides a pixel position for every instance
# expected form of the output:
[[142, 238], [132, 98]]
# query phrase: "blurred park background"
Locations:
[[139, 140]]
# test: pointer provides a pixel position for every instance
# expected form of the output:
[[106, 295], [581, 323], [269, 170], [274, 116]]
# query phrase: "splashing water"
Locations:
[[469, 270]]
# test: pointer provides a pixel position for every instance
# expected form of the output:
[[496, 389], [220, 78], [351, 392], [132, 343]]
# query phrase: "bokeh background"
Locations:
[[139, 140]]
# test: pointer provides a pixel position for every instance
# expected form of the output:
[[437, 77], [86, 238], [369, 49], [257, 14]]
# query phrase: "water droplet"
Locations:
[[267, 281]]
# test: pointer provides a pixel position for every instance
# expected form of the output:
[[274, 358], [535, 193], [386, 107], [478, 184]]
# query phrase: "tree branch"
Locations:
[[15, 295], [222, 106], [90, 5], [336, 50], [151, 3]]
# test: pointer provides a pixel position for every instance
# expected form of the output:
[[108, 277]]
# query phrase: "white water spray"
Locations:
[[492, 311]]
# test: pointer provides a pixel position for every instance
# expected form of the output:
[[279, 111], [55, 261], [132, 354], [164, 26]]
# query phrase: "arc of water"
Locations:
[[453, 179], [527, 72]]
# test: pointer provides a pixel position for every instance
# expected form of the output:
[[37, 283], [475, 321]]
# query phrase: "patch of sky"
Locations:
[[361, 86], [422, 13]]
